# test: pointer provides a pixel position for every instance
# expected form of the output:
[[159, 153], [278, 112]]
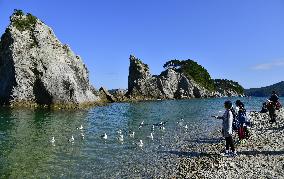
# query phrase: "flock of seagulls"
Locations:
[[120, 136]]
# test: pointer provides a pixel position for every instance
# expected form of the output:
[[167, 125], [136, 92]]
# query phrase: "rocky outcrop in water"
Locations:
[[36, 67], [106, 96], [170, 84]]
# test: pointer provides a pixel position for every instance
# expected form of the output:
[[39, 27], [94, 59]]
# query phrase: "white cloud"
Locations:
[[268, 66]]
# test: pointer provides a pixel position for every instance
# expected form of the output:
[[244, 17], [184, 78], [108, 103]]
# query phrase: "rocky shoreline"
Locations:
[[261, 157]]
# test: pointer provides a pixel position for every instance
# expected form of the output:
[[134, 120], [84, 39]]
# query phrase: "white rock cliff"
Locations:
[[36, 67]]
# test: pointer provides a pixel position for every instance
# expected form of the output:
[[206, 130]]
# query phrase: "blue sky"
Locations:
[[241, 40]]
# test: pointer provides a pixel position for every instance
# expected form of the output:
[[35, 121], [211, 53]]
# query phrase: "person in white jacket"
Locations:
[[227, 127]]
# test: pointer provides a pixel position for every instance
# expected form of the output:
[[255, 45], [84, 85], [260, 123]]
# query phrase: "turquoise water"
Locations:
[[26, 149]]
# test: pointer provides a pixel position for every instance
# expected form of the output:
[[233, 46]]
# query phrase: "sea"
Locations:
[[42, 143]]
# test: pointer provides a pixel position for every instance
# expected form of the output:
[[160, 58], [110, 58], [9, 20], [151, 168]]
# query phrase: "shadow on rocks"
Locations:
[[181, 153], [267, 153], [278, 128], [206, 140], [187, 154]]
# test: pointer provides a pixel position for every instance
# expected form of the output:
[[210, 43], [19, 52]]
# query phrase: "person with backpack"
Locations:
[[242, 121], [227, 128], [271, 106]]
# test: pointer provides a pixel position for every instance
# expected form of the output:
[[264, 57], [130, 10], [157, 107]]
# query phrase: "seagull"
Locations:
[[82, 135], [140, 144], [104, 136], [186, 127], [160, 123], [72, 139], [141, 124], [120, 138], [52, 140], [119, 131], [151, 136], [132, 134], [81, 127]]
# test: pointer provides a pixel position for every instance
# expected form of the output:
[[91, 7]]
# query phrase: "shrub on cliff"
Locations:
[[224, 84], [193, 71], [23, 24]]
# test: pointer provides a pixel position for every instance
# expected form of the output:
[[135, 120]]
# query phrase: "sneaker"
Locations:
[[234, 154], [225, 154]]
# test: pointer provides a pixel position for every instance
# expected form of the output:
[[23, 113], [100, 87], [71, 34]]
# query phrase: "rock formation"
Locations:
[[170, 84], [106, 96], [36, 67]]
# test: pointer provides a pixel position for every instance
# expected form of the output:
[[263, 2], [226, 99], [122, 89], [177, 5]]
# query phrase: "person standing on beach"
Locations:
[[227, 128], [242, 122], [271, 106]]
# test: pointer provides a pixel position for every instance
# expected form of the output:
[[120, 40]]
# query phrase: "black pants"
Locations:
[[230, 143], [272, 115]]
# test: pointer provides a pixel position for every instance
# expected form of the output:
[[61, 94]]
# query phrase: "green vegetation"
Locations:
[[266, 91], [228, 85], [22, 23], [192, 70], [18, 12]]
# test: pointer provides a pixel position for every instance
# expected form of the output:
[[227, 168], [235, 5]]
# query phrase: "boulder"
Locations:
[[106, 96]]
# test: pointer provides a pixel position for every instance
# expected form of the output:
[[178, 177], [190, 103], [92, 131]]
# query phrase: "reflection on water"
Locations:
[[26, 149]]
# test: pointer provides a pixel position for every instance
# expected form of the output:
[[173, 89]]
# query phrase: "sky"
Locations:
[[240, 40]]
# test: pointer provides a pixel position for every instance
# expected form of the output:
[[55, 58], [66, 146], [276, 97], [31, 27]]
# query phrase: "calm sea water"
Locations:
[[26, 149]]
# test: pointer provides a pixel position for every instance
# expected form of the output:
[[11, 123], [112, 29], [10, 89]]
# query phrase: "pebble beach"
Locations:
[[262, 156]]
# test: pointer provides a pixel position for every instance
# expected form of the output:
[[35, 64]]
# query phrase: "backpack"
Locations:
[[243, 118], [278, 105], [235, 121]]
